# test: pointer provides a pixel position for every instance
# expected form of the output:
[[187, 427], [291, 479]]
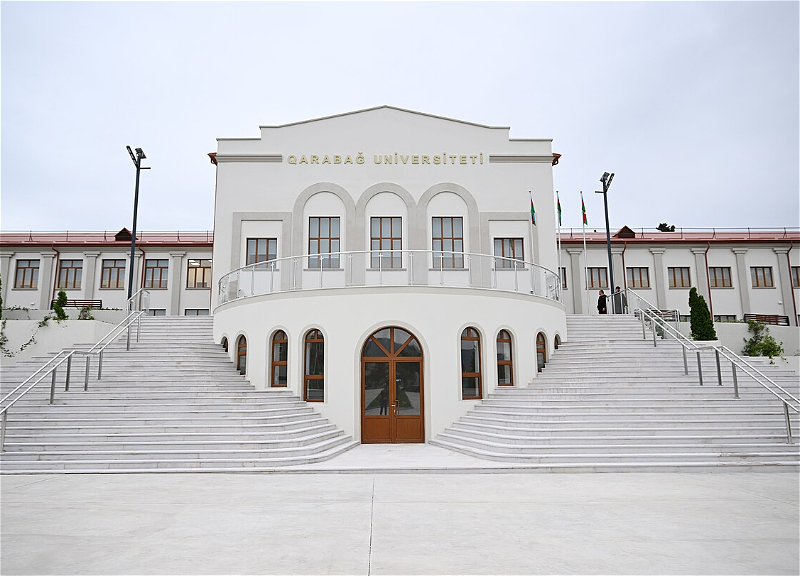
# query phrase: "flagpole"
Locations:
[[558, 204], [585, 263]]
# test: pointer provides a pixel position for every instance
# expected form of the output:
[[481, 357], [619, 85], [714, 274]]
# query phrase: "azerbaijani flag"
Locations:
[[558, 204], [533, 210], [583, 209]]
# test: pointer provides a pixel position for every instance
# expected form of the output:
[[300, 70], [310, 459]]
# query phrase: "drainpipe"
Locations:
[[55, 268], [789, 264], [141, 280], [708, 282]]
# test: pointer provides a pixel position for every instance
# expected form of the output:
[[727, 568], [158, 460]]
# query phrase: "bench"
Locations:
[[81, 304], [768, 319]]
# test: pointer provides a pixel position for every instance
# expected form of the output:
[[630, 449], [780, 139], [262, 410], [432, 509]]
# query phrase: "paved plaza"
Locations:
[[326, 522]]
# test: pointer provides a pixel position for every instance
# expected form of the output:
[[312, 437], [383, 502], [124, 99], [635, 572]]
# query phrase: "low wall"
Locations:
[[53, 337], [112, 316]]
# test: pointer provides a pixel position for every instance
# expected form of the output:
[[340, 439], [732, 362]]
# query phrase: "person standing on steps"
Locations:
[[602, 302], [620, 302]]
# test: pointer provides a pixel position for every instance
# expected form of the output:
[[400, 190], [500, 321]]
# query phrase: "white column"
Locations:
[[702, 275], [5, 274], [576, 269], [89, 273], [46, 280], [176, 282], [744, 279], [658, 277], [785, 275]]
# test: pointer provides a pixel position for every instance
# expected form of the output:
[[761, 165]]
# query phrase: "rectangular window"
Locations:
[[27, 274], [679, 277], [508, 248], [563, 278], [719, 277], [113, 275], [795, 276], [198, 274], [638, 277], [597, 278], [724, 317], [69, 274], [157, 312], [684, 318], [261, 250], [761, 276], [386, 234], [155, 273], [448, 242], [196, 312], [323, 239]]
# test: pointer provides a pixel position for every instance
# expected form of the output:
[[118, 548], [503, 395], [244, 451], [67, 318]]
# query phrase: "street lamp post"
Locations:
[[606, 179], [137, 161]]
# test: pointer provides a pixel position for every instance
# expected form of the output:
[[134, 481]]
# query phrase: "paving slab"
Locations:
[[633, 523]]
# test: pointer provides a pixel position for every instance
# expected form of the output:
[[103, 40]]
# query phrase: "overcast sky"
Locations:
[[693, 105]]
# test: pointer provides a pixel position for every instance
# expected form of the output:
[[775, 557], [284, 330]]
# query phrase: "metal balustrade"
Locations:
[[137, 305], [376, 268]]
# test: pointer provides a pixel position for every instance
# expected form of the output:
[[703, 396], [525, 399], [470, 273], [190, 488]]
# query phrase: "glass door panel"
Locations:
[[376, 388], [407, 388]]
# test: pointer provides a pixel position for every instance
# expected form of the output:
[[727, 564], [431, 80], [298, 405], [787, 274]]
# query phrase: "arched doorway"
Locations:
[[392, 407], [541, 351], [556, 341], [224, 343], [241, 355]]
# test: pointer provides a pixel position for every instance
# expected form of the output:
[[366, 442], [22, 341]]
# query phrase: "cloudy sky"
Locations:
[[693, 105]]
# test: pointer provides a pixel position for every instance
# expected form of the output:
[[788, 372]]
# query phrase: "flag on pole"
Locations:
[[583, 209], [533, 210], [558, 204]]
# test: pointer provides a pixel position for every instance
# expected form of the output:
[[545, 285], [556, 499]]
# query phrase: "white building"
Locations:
[[382, 264]]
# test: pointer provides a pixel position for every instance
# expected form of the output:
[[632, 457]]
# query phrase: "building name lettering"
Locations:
[[386, 159]]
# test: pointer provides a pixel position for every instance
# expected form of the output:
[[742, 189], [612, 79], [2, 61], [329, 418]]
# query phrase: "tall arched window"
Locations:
[[224, 344], [314, 370], [505, 363], [470, 364], [280, 357], [541, 351], [241, 355]]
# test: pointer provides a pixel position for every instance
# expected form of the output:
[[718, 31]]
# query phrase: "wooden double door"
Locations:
[[392, 405]]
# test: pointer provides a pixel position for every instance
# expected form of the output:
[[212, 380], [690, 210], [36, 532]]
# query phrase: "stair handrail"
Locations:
[[66, 355], [651, 306], [736, 361]]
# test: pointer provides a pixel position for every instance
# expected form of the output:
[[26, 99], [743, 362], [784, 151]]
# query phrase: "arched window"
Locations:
[[470, 364], [505, 363], [314, 376], [241, 355], [280, 356], [556, 341], [224, 344], [541, 351]]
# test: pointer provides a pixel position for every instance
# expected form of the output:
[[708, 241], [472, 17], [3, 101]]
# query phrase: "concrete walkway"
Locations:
[[327, 523]]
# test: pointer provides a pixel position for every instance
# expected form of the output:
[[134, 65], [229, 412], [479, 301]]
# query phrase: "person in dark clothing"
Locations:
[[620, 302], [602, 303]]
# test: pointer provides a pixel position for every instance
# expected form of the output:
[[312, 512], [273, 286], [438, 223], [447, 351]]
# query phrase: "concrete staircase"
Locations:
[[608, 400], [173, 403]]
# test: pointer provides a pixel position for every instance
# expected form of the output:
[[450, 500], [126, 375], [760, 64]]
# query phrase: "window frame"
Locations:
[[241, 352], [150, 274], [795, 273], [673, 277], [455, 260], [717, 279], [510, 261], [196, 311], [192, 273], [258, 257], [276, 363], [467, 336], [313, 337], [602, 278], [723, 318], [563, 277], [510, 362], [77, 274], [27, 283], [754, 277], [394, 260], [631, 273], [315, 261], [120, 273]]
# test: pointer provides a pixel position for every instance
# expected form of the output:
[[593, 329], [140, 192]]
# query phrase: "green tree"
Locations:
[[701, 323], [58, 306], [761, 343], [664, 227]]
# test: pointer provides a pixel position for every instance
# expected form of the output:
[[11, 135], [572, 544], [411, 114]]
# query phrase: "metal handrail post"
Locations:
[[441, 269], [653, 326], [271, 276], [69, 368], [100, 366], [789, 439], [699, 368], [685, 362], [641, 317], [86, 375], [138, 326], [719, 369], [3, 431], [321, 268], [516, 277], [253, 281], [380, 268], [735, 380], [53, 386], [128, 342]]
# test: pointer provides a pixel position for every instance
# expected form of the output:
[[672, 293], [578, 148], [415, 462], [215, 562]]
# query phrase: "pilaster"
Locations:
[[578, 288], [176, 282], [658, 274], [5, 264], [46, 280], [742, 276], [90, 270], [785, 276], [701, 273]]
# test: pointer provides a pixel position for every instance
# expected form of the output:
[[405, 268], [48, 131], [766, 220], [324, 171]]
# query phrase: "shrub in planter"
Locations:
[[701, 323], [761, 343], [58, 306]]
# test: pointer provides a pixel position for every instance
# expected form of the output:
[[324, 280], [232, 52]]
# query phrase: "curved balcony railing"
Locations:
[[389, 268]]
